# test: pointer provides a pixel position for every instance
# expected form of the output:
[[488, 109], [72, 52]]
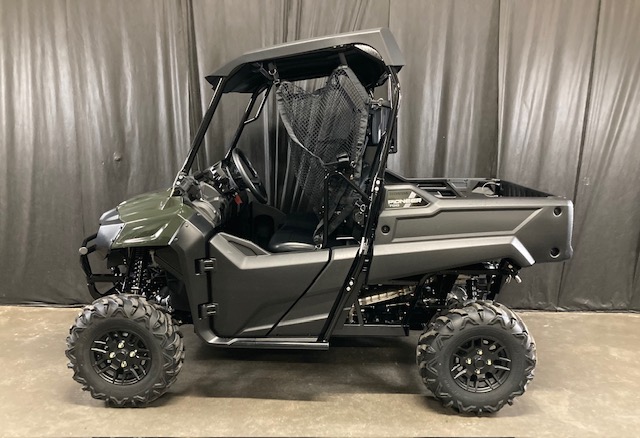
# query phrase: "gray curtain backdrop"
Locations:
[[99, 101], [546, 52]]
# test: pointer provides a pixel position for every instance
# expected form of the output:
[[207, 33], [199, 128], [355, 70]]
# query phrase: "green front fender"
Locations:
[[151, 219]]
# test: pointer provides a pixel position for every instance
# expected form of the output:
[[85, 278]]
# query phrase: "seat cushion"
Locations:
[[296, 234]]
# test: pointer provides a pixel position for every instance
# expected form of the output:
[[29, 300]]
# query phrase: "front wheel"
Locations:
[[125, 350], [477, 358]]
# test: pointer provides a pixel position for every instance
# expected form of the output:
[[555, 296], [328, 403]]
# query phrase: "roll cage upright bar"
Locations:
[[247, 112], [202, 129], [358, 273], [208, 116]]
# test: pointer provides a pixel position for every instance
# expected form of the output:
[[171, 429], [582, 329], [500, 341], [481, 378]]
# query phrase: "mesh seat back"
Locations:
[[325, 125]]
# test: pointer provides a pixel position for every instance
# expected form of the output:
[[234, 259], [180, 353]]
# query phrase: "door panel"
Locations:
[[253, 288], [308, 316]]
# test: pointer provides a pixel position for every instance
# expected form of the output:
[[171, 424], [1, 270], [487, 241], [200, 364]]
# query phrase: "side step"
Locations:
[[270, 343]]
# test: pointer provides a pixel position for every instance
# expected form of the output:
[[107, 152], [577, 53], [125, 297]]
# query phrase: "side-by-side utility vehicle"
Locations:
[[350, 248]]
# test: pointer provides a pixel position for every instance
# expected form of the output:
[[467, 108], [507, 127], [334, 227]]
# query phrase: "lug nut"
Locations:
[[477, 371], [123, 364], [488, 361], [112, 355], [132, 354], [121, 344], [468, 361], [479, 352]]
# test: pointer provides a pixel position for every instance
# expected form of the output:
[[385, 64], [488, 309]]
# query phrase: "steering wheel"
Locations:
[[249, 176]]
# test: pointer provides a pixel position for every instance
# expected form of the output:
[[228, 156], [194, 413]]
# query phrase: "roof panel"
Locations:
[[316, 57]]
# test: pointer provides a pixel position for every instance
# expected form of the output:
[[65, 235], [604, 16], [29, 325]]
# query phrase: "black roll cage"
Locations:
[[373, 197]]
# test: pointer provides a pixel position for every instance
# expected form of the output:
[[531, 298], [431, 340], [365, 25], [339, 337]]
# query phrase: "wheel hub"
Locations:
[[120, 357], [480, 365]]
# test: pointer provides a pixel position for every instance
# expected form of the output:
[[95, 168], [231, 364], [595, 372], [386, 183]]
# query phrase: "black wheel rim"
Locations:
[[480, 365], [120, 357]]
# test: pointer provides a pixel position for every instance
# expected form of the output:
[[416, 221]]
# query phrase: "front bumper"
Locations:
[[91, 245]]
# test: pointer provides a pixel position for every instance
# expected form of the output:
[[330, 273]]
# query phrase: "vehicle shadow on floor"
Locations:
[[350, 366]]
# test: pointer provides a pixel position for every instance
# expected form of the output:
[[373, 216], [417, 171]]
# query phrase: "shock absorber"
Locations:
[[137, 270], [472, 288]]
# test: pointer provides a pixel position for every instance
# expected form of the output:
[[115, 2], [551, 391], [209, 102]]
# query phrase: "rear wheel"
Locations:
[[477, 358], [125, 350]]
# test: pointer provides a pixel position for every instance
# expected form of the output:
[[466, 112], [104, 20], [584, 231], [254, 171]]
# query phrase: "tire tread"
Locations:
[[149, 316], [433, 339]]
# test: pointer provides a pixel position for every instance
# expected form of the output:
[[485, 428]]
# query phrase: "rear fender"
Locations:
[[435, 234]]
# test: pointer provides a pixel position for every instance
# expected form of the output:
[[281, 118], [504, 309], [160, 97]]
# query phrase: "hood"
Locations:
[[150, 219]]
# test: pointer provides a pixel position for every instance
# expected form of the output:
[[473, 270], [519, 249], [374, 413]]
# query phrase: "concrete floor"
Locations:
[[587, 384]]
